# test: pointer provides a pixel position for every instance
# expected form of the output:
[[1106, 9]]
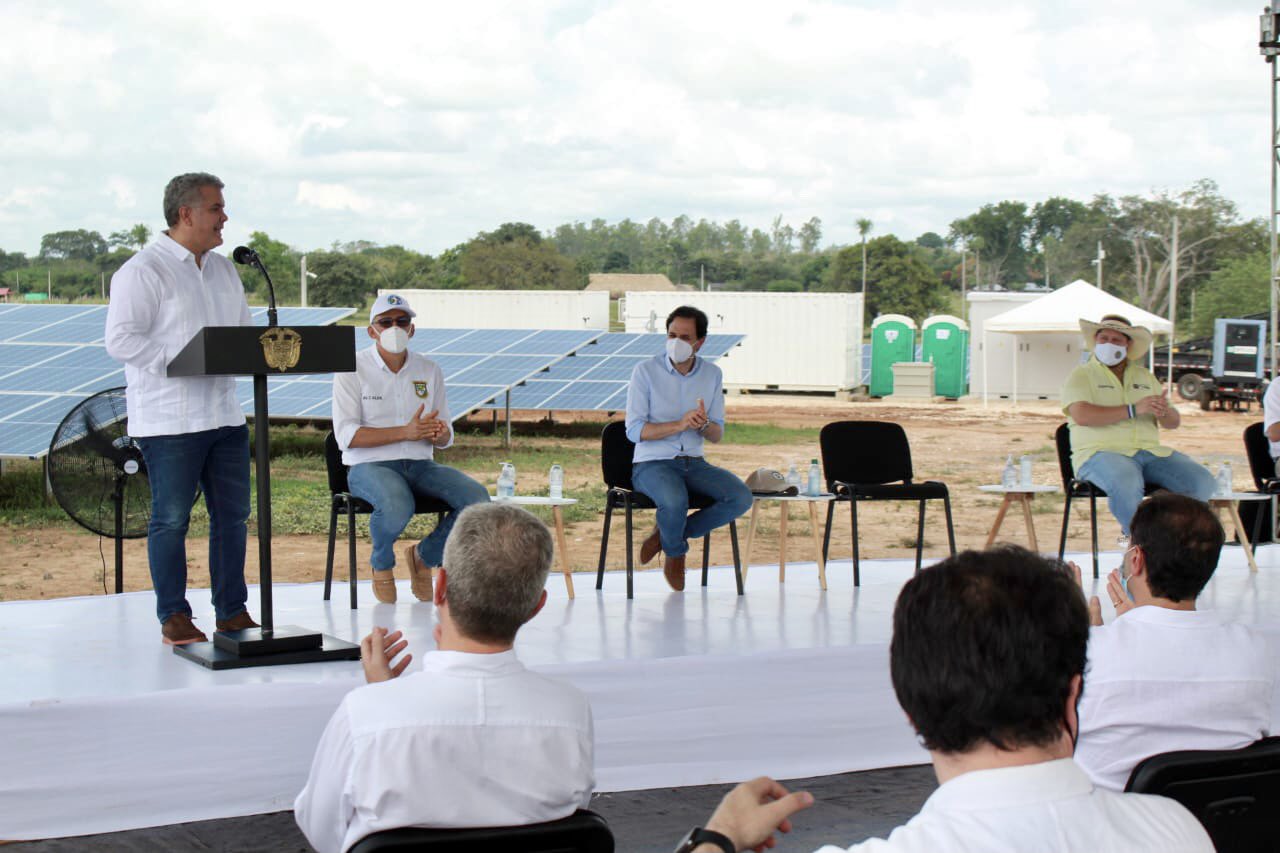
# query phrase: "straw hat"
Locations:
[[1139, 336]]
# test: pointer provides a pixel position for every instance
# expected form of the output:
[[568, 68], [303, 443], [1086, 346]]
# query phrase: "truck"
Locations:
[[1228, 371]]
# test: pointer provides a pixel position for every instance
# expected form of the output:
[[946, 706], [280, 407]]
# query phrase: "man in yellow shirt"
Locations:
[[1116, 407]]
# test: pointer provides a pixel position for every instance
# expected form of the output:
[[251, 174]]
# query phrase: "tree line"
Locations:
[[1221, 265]]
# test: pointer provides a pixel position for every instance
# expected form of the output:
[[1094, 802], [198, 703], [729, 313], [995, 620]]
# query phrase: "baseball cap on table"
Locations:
[[766, 481], [390, 302]]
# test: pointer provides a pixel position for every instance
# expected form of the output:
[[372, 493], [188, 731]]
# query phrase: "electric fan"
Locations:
[[97, 473]]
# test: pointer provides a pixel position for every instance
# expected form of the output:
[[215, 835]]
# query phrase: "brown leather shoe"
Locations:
[[650, 547], [238, 622], [179, 630], [384, 586], [673, 570], [420, 577]]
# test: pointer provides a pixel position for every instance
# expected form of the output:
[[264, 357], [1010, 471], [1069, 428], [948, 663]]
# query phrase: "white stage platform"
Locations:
[[105, 729]]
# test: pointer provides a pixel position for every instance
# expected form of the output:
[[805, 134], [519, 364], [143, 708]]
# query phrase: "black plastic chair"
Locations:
[[871, 461], [1076, 488], [1258, 514], [616, 453], [1234, 793], [342, 501], [581, 832]]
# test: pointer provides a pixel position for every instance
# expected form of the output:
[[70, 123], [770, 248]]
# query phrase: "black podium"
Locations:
[[261, 352]]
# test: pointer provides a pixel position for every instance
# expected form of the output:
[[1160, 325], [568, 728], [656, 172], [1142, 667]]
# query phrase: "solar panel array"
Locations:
[[53, 356], [596, 378]]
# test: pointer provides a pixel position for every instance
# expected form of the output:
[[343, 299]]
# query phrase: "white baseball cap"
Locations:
[[390, 302]]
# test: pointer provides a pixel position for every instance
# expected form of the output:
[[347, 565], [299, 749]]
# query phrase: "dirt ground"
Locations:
[[961, 443]]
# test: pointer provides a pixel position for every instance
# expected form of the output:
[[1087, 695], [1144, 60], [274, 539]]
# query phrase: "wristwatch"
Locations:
[[698, 835]]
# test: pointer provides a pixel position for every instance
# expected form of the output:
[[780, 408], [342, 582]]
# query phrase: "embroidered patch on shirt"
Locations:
[[420, 388]]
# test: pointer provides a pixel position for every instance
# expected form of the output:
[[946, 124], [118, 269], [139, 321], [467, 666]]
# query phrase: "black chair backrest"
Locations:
[[616, 453], [1258, 449], [870, 452], [333, 464], [1062, 438], [1234, 793], [581, 832]]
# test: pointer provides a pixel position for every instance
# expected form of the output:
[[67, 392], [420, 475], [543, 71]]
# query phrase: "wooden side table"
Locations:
[[561, 546], [784, 501], [1016, 494], [1231, 503]]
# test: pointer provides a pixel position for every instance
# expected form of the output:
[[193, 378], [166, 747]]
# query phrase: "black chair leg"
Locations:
[[351, 549], [920, 538], [630, 558], [333, 536], [853, 514], [1093, 525], [737, 561], [604, 543], [1066, 517], [706, 556], [951, 531], [826, 534]]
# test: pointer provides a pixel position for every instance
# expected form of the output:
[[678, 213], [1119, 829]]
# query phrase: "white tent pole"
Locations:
[[1016, 344], [985, 386]]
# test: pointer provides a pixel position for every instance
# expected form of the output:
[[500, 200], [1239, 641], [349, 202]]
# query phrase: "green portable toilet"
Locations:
[[893, 339], [945, 342]]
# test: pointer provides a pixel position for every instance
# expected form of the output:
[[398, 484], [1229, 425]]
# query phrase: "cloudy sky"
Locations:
[[422, 123]]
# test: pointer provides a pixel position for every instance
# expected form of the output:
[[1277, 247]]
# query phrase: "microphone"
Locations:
[[245, 255]]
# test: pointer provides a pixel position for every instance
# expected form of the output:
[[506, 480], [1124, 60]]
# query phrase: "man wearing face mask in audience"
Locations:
[[1115, 407], [676, 402], [389, 417]]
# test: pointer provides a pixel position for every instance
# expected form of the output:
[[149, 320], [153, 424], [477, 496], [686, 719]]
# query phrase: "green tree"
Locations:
[[509, 232], [864, 228], [1237, 288], [931, 240], [341, 279], [135, 237], [1003, 228], [81, 245], [281, 262], [810, 235], [517, 265], [899, 282]]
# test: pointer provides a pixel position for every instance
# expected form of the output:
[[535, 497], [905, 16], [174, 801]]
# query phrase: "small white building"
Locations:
[[509, 309]]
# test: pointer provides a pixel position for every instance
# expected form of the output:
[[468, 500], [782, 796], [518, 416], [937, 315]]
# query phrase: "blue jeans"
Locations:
[[218, 461], [668, 483], [1124, 478], [390, 487]]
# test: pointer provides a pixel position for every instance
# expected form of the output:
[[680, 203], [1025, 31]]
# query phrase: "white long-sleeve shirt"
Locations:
[[1050, 807], [375, 396], [471, 740], [159, 300], [1161, 680]]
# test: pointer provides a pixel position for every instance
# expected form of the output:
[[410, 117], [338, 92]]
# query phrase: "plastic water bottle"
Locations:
[[815, 479], [1009, 478], [1024, 468], [793, 477], [556, 481], [1224, 479], [507, 480]]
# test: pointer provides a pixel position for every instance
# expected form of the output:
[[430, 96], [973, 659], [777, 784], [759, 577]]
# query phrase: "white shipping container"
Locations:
[[794, 341], [1039, 356], [509, 309]]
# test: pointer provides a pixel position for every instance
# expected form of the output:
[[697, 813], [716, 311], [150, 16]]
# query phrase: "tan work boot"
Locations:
[[650, 546], [238, 622], [420, 577], [179, 630], [673, 571], [384, 585]]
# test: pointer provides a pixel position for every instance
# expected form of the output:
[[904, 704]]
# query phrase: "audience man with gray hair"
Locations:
[[473, 739]]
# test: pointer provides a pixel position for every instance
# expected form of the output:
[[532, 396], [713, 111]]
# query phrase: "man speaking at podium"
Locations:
[[191, 430]]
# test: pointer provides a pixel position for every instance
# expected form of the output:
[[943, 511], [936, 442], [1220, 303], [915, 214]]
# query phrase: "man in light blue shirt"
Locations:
[[674, 403]]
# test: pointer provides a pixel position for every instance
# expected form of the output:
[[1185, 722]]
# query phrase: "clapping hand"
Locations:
[[696, 418], [378, 650], [1156, 404], [424, 426]]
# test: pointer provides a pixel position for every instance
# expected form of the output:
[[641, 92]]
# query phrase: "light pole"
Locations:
[[1269, 47], [1097, 262], [302, 287]]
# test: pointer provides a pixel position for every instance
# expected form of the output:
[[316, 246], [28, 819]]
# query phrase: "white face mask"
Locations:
[[1110, 354], [394, 339], [678, 350]]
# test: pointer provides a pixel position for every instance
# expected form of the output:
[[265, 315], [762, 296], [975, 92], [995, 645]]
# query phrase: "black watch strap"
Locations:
[[698, 835]]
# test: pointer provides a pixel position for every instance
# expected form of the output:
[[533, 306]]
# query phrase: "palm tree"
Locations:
[[864, 228]]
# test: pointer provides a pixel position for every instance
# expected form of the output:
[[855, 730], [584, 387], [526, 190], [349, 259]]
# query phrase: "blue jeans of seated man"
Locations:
[[217, 460], [390, 487], [668, 483], [1124, 478]]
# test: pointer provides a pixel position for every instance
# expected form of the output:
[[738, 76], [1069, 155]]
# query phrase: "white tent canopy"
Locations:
[[1060, 312]]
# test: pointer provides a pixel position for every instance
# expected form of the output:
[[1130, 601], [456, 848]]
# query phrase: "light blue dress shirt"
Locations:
[[659, 393]]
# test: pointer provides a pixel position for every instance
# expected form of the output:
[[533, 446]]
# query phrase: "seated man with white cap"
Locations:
[[1115, 407], [389, 417]]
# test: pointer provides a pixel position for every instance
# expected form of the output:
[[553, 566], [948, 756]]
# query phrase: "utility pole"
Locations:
[[1173, 302], [1097, 262], [964, 262]]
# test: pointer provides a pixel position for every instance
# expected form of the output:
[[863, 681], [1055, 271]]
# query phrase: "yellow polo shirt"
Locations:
[[1093, 382]]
